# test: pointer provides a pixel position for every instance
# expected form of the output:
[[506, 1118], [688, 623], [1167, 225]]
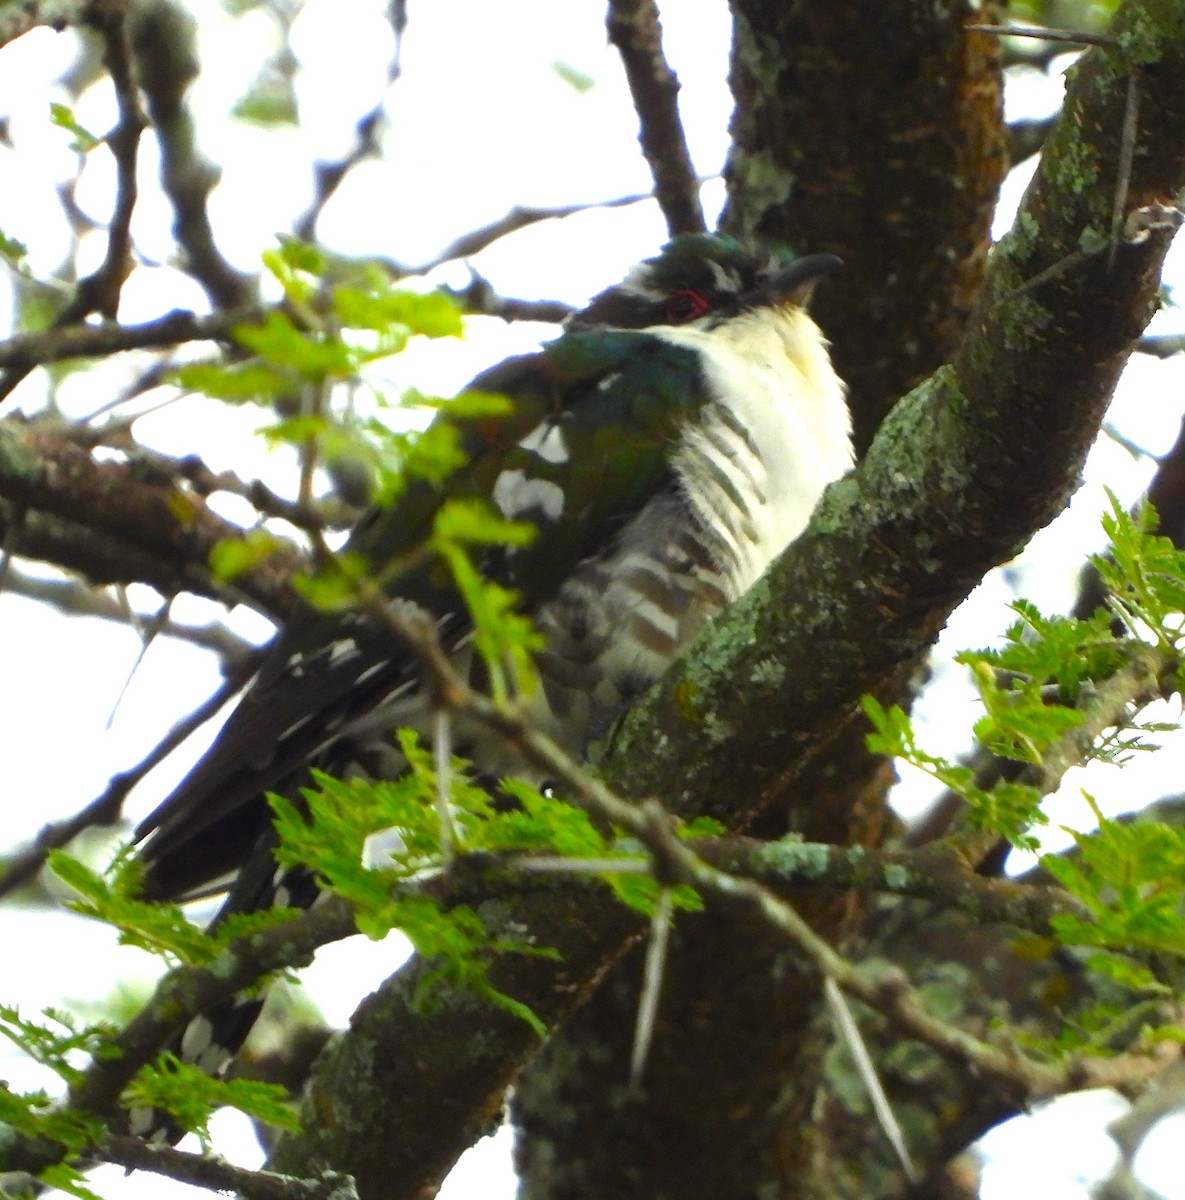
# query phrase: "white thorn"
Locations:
[[442, 752], [656, 960], [849, 1034]]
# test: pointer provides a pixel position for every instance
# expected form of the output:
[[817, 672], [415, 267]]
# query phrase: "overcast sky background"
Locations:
[[480, 120]]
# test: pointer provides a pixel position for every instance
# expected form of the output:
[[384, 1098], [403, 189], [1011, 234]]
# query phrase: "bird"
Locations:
[[667, 446]]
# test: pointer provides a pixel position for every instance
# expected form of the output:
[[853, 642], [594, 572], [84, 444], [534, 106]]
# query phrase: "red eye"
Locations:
[[685, 305]]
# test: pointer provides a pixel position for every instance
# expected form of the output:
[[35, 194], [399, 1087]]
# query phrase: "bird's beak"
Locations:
[[794, 283]]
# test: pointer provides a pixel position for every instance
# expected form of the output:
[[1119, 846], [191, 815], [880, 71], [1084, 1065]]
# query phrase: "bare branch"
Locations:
[[166, 61], [480, 299], [1162, 346], [519, 217], [888, 991], [216, 1174], [1079, 37], [635, 30], [26, 350], [99, 292], [73, 598], [44, 471], [18, 19]]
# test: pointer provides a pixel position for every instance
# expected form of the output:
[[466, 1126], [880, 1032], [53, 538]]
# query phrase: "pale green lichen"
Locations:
[[1153, 27], [794, 858], [896, 878], [770, 673], [758, 53], [761, 179], [1072, 166]]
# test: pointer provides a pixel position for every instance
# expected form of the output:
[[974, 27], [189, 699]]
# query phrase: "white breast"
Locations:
[[776, 432]]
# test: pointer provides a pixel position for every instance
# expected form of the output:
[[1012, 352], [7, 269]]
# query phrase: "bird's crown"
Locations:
[[703, 279]]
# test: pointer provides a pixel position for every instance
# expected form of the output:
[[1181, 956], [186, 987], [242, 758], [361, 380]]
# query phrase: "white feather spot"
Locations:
[[547, 441], [380, 848], [515, 494], [196, 1039], [140, 1120], [213, 1059], [341, 650]]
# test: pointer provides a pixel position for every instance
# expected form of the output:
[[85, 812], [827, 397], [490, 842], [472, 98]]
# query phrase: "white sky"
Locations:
[[477, 124]]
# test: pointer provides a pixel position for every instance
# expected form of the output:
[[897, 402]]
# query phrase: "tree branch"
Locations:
[[44, 471], [635, 30], [99, 292], [166, 61], [25, 350], [16, 20], [74, 598], [218, 1175]]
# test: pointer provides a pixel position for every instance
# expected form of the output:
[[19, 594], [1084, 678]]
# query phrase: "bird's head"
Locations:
[[702, 280]]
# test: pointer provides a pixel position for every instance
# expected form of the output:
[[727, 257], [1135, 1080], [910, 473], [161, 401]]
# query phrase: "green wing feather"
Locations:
[[617, 398]]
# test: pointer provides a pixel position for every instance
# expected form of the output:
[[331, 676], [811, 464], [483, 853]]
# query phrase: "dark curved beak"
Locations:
[[795, 282]]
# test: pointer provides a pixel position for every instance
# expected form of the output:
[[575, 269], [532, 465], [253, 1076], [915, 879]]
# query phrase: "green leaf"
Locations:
[[235, 383], [161, 929], [1007, 809], [12, 251], [67, 1179], [62, 115], [190, 1096], [504, 638], [1130, 876], [474, 522], [336, 587], [267, 104], [231, 557], [36, 1115], [381, 308], [53, 1041], [1146, 576], [281, 343], [579, 81], [468, 405]]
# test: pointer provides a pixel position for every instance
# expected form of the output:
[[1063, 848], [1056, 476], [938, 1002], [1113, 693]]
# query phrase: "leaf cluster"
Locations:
[[1037, 690]]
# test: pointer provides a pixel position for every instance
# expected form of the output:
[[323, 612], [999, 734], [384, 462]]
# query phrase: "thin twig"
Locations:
[[1162, 346], [519, 217], [73, 598], [888, 991], [1079, 37], [328, 176], [1111, 706], [99, 292], [479, 298], [106, 808], [656, 960], [44, 471], [1123, 168]]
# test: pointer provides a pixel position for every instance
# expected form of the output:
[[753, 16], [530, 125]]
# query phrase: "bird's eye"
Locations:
[[685, 305]]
